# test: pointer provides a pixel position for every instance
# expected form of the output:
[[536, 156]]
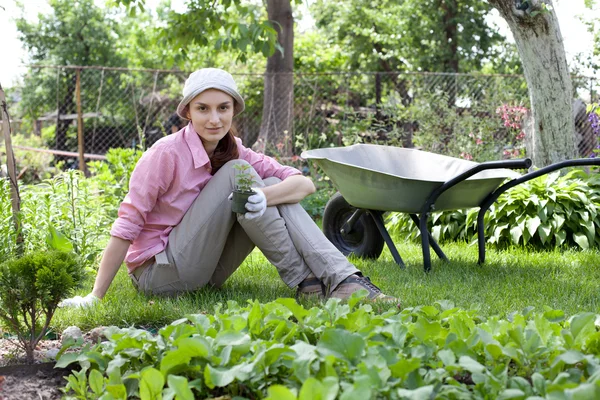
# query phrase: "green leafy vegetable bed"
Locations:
[[280, 350]]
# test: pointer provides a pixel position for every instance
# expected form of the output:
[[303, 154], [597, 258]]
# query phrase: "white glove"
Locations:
[[256, 205], [79, 301]]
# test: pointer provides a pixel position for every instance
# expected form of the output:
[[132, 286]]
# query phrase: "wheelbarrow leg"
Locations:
[[425, 242], [434, 245], [481, 234], [378, 218]]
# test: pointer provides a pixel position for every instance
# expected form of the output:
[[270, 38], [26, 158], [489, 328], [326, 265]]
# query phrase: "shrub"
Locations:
[[551, 210], [31, 288]]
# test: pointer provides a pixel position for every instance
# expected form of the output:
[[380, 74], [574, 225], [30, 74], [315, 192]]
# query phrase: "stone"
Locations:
[[96, 334], [51, 354], [72, 332]]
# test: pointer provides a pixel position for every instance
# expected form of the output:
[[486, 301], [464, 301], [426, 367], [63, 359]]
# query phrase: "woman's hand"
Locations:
[[79, 301], [256, 205]]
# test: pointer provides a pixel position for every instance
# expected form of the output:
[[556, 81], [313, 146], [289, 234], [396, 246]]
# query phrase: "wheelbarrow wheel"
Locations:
[[363, 241]]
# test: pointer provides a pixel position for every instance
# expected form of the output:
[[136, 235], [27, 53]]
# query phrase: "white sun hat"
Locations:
[[210, 78]]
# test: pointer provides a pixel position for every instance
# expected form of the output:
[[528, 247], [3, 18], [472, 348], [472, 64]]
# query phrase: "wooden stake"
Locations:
[[80, 143], [12, 171]]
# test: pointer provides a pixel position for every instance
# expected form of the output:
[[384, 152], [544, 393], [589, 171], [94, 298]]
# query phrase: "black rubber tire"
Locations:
[[365, 240]]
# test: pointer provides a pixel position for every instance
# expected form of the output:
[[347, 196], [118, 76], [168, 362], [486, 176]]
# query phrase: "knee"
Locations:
[[232, 165]]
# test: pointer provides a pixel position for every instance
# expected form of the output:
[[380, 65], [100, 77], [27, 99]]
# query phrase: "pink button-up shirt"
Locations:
[[164, 184]]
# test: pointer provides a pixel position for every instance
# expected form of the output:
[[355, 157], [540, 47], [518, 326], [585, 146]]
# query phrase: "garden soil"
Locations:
[[35, 382], [40, 381]]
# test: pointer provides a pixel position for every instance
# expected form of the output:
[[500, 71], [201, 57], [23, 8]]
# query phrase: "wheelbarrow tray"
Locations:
[[386, 178]]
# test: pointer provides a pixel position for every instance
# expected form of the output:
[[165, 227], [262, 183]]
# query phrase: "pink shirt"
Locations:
[[164, 184]]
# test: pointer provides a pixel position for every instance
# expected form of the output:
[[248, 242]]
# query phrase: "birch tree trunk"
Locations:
[[278, 106], [540, 44]]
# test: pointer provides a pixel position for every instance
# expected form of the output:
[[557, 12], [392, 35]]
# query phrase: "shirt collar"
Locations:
[[194, 142]]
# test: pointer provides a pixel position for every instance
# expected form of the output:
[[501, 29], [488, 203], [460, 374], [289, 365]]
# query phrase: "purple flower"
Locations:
[[595, 121]]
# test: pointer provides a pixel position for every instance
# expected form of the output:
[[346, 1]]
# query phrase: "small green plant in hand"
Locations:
[[243, 187], [243, 178], [31, 288]]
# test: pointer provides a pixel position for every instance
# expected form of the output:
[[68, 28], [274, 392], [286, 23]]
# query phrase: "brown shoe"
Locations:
[[356, 282], [311, 286]]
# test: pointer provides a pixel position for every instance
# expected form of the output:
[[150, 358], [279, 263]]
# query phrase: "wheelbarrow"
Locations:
[[373, 179]]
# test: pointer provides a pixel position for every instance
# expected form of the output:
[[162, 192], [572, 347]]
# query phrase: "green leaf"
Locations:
[[532, 225], [297, 310], [470, 365], [582, 325], [544, 230], [560, 236], [447, 356], [511, 394], [173, 359], [58, 241], [342, 344], [361, 389], [66, 360], [280, 392], [96, 381], [180, 385], [118, 391], [313, 389], [424, 329], [515, 234], [151, 384], [581, 240], [424, 392], [219, 377]]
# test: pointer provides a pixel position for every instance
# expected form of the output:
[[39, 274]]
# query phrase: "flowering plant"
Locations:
[[594, 119], [512, 118]]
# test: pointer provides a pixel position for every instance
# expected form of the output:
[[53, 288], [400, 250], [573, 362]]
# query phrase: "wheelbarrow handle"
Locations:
[[522, 163], [508, 164]]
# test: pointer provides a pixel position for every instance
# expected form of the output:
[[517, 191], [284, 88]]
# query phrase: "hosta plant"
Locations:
[[548, 211], [281, 350]]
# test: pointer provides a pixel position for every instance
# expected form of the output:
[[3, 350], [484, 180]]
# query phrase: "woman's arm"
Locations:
[[113, 257], [291, 190]]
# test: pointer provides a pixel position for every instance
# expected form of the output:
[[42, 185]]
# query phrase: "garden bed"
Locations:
[[37, 381]]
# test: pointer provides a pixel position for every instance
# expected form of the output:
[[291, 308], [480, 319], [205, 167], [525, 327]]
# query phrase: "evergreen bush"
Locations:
[[31, 288]]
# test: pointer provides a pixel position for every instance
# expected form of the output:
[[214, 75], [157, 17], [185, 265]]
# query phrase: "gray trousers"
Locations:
[[211, 242]]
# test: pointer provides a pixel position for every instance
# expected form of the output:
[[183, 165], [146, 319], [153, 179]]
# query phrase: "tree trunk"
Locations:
[[278, 107], [450, 30], [540, 44]]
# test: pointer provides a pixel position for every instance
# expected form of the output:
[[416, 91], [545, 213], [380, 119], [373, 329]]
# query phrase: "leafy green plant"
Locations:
[[281, 350], [111, 177], [551, 210], [243, 178], [31, 288]]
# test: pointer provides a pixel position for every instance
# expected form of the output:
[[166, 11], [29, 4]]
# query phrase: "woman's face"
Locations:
[[211, 113]]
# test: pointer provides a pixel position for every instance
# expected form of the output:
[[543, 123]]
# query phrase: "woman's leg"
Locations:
[[290, 240]]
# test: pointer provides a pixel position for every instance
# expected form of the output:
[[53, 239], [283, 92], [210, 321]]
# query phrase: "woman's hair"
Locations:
[[226, 151]]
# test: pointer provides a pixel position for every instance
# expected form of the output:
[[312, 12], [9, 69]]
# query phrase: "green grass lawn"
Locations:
[[510, 281]]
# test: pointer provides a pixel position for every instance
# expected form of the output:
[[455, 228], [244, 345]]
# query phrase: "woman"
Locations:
[[175, 229]]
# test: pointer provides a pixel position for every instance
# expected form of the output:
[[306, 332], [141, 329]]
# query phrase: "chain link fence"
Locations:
[[475, 117]]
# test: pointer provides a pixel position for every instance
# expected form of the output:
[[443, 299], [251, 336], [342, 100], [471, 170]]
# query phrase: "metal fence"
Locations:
[[470, 116]]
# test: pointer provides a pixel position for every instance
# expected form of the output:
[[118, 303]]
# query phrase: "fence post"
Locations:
[[12, 171], [80, 143]]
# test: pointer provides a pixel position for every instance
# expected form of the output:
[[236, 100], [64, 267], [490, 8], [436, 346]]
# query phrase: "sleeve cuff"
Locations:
[[125, 230]]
